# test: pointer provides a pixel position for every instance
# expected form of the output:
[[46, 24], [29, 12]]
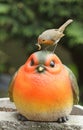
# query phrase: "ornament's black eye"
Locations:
[[32, 62], [52, 63]]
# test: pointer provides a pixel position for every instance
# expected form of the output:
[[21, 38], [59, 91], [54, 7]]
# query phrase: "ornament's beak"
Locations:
[[41, 68]]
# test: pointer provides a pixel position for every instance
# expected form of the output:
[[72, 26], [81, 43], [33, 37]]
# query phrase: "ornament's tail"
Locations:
[[62, 28]]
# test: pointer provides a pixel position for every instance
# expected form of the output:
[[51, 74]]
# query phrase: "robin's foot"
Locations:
[[21, 117], [62, 119]]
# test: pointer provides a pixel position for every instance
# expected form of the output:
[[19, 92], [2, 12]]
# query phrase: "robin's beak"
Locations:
[[41, 68], [39, 46]]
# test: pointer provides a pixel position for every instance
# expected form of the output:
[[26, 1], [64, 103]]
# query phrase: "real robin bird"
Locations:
[[43, 89], [52, 36]]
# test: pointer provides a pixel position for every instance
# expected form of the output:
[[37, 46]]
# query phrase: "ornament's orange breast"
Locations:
[[40, 93]]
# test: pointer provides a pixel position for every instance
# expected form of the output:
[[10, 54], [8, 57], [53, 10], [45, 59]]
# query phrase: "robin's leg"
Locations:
[[51, 47], [55, 45]]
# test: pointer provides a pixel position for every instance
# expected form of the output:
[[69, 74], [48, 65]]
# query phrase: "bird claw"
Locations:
[[21, 117], [62, 119]]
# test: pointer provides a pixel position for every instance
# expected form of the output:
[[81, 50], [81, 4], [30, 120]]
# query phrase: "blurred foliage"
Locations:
[[24, 19], [21, 21]]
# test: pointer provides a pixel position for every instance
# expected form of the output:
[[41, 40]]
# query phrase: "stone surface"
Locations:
[[9, 121], [77, 110], [5, 102]]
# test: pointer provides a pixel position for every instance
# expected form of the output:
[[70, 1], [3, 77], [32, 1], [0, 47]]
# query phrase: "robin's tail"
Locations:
[[62, 28]]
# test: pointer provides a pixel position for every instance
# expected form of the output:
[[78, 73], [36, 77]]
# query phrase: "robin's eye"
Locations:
[[52, 63], [43, 40], [32, 62]]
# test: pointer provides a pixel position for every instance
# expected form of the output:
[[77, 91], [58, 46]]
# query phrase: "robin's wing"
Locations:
[[11, 85], [74, 85]]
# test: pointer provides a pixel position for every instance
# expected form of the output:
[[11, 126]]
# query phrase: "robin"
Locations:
[[52, 36]]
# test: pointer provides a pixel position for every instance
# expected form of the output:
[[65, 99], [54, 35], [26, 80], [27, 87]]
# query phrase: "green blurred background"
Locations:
[[21, 21]]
